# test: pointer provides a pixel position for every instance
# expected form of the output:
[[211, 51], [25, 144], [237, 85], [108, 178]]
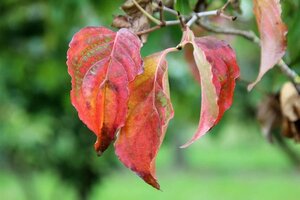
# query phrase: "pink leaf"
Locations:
[[101, 64], [150, 110], [218, 70], [273, 35]]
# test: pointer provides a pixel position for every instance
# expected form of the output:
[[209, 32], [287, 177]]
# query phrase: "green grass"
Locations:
[[236, 165], [194, 186]]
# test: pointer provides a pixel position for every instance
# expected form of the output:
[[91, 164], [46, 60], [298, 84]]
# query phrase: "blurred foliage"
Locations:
[[39, 128], [40, 133]]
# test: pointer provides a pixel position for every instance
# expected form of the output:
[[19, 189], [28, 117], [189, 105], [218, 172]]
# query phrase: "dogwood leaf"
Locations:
[[272, 33], [218, 71], [102, 63], [150, 110]]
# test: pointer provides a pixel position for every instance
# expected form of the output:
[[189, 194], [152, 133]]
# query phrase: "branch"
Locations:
[[181, 20], [166, 9], [194, 16], [249, 35], [154, 28], [150, 17]]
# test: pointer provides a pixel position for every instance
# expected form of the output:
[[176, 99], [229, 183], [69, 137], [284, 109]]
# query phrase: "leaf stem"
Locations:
[[150, 17]]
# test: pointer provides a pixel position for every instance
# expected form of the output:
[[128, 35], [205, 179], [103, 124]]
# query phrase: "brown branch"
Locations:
[[161, 11], [249, 35], [181, 20], [154, 28]]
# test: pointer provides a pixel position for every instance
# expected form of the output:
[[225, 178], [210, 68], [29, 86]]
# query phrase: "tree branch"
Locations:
[[194, 18], [249, 35]]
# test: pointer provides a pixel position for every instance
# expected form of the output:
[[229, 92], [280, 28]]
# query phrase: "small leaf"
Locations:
[[101, 64], [150, 110], [218, 70], [272, 33]]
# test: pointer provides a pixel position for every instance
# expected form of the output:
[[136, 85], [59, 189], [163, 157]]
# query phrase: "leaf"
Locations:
[[189, 57], [101, 64], [134, 19], [272, 33], [150, 110], [218, 70], [269, 115], [290, 108]]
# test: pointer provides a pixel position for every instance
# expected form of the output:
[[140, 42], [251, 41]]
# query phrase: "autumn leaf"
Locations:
[[102, 63], [150, 110], [290, 108], [189, 57], [134, 19], [272, 33], [218, 71], [269, 115]]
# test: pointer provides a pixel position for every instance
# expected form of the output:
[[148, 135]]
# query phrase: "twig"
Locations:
[[229, 17], [172, 22], [154, 28], [150, 17], [287, 71], [161, 11], [169, 10], [225, 6], [249, 35], [181, 20], [196, 16]]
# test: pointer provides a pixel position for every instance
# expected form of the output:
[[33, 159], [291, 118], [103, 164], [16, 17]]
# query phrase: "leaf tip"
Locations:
[[250, 86], [148, 178], [101, 144], [186, 145], [99, 153], [253, 84]]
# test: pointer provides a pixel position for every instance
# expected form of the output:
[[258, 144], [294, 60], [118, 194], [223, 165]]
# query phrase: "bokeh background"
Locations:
[[47, 153]]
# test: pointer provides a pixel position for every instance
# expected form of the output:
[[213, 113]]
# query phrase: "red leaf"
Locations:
[[218, 70], [273, 35], [101, 64], [189, 57], [150, 110]]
